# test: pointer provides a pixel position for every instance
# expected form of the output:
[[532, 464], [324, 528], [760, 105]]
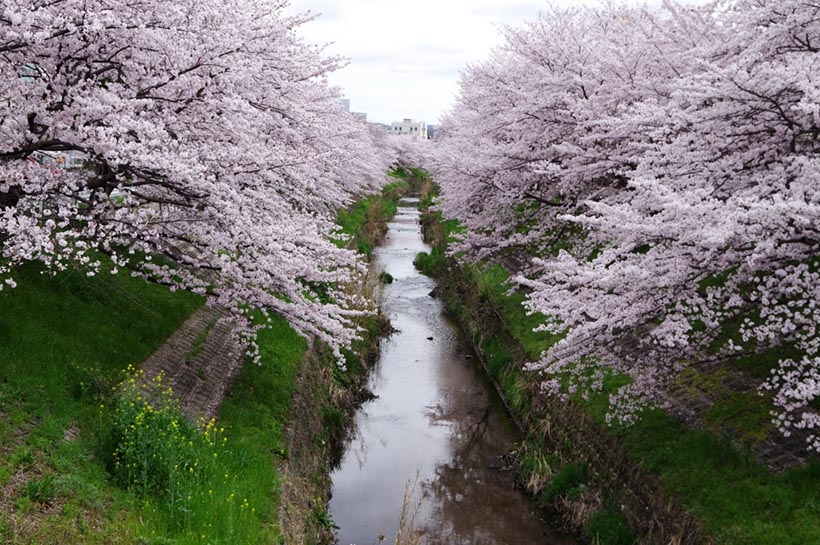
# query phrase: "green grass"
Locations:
[[66, 340], [411, 172], [40, 490], [739, 501], [399, 173], [256, 409], [242, 507], [610, 527], [352, 219], [566, 482], [492, 283], [190, 480], [432, 263], [216, 479], [199, 342], [746, 413]]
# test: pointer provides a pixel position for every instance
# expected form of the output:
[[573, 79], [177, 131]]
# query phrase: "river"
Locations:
[[436, 416]]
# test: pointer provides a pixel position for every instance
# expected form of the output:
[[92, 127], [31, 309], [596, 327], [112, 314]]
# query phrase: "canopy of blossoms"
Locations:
[[659, 171], [215, 155]]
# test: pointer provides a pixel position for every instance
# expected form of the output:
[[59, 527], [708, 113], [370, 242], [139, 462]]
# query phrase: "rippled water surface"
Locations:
[[435, 416]]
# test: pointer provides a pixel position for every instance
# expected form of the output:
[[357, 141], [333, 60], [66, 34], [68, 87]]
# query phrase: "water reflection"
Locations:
[[435, 415]]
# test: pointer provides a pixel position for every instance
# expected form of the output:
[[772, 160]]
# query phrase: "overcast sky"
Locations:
[[406, 54]]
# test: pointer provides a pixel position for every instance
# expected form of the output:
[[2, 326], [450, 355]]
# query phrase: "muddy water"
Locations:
[[436, 417]]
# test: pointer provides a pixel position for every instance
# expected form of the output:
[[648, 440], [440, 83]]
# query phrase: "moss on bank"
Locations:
[[734, 499]]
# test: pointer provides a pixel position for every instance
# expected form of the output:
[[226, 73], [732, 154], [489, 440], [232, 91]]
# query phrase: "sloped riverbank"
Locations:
[[71, 341], [658, 481]]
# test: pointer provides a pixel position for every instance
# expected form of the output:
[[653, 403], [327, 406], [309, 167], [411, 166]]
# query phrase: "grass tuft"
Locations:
[[609, 527]]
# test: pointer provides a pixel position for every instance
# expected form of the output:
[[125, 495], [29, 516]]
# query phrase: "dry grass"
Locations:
[[408, 533]]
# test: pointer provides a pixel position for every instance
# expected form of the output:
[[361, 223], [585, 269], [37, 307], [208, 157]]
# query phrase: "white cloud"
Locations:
[[406, 54]]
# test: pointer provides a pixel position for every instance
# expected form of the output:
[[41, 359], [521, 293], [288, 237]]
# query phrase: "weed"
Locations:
[[609, 527], [41, 491], [566, 482], [747, 413], [365, 221], [535, 466], [364, 248], [199, 342], [25, 505], [431, 264], [322, 517], [22, 457], [412, 503], [334, 421], [738, 501], [186, 474]]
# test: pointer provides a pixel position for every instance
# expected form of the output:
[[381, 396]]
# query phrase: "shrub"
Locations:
[[155, 450], [364, 248]]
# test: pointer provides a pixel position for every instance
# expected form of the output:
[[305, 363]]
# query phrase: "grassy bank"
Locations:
[[326, 394], [363, 224], [67, 340], [88, 456], [735, 499]]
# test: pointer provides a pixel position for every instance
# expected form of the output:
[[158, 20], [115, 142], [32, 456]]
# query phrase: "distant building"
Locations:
[[71, 160], [431, 130], [360, 115], [345, 102], [409, 127]]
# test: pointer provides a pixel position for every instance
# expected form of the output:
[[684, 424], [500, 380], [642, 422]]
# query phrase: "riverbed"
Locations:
[[436, 421]]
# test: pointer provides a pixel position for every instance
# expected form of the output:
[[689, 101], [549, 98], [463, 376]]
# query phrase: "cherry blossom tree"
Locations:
[[537, 129], [217, 154], [662, 171]]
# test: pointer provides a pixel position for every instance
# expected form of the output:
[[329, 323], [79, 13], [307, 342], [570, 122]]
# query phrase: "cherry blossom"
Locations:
[[217, 155], [657, 175]]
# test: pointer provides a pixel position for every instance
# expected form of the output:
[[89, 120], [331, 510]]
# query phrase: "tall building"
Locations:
[[345, 104], [409, 127]]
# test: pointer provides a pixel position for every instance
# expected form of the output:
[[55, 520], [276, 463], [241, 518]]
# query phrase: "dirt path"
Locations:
[[198, 361]]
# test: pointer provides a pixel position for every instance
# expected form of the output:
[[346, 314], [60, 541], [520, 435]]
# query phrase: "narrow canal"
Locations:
[[435, 416]]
